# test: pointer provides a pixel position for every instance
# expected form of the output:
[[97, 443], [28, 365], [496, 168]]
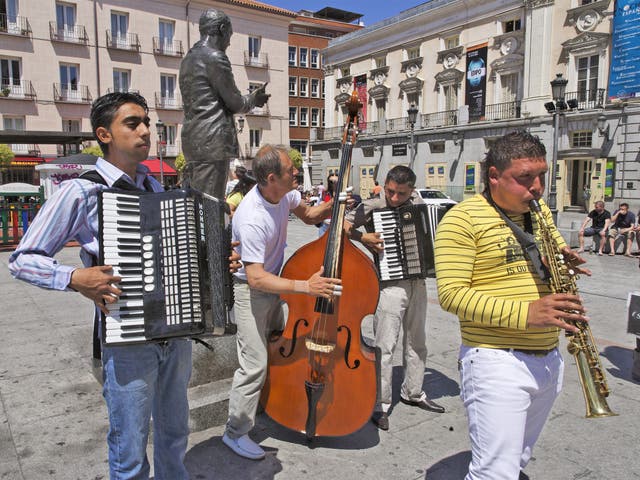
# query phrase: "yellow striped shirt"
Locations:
[[485, 279]]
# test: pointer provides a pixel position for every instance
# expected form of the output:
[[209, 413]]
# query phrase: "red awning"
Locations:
[[154, 167]]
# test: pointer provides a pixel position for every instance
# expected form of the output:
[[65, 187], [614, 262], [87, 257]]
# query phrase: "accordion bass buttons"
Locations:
[[149, 271]]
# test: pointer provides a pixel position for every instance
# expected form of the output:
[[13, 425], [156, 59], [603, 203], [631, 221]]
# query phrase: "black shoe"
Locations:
[[380, 420], [425, 404]]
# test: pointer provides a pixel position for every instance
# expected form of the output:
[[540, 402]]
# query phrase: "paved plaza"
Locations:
[[53, 419]]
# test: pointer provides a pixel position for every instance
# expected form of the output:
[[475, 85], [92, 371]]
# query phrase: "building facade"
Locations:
[[472, 71], [56, 57], [309, 34]]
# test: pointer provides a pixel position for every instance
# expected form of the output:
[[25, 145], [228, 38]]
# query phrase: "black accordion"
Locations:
[[171, 250], [409, 236]]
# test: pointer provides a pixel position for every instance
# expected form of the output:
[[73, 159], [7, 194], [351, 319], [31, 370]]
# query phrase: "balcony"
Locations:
[[259, 111], [170, 48], [167, 101], [397, 124], [14, 25], [71, 93], [123, 41], [25, 149], [501, 111], [440, 119], [17, 91], [260, 60], [587, 99], [68, 33], [170, 150]]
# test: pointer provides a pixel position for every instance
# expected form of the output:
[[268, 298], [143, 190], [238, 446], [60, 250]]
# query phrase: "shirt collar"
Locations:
[[111, 173]]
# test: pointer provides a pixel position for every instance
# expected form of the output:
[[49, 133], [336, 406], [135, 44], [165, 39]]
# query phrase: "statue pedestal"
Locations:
[[211, 382]]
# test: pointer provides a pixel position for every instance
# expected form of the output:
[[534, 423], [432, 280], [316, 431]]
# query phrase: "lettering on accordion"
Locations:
[[408, 233], [171, 250]]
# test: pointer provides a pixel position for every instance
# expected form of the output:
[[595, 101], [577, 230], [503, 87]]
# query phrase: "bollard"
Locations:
[[14, 225]]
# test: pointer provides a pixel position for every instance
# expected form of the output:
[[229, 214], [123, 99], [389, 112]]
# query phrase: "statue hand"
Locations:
[[260, 97]]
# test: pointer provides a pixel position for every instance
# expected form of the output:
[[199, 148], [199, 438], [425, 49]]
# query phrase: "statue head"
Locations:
[[216, 23]]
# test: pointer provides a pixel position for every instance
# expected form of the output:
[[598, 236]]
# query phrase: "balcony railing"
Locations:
[[164, 46], [440, 119], [372, 128], [68, 33], [170, 150], [168, 101], [501, 111], [587, 99], [71, 93], [20, 91], [261, 60], [15, 25], [129, 90], [68, 149], [25, 149], [397, 124], [259, 111], [123, 41]]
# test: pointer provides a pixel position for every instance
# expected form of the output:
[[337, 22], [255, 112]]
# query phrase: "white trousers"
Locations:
[[508, 396]]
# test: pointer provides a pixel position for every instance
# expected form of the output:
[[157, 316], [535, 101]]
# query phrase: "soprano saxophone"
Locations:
[[581, 344]]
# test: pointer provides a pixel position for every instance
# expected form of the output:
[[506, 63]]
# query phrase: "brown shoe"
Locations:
[[380, 420], [424, 403]]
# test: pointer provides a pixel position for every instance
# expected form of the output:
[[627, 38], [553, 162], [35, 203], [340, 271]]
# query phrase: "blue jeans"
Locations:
[[141, 381]]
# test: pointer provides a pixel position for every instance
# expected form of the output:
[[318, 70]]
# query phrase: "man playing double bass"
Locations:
[[402, 304], [260, 225]]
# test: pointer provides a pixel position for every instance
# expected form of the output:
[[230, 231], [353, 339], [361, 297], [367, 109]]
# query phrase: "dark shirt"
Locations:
[[598, 219], [624, 221]]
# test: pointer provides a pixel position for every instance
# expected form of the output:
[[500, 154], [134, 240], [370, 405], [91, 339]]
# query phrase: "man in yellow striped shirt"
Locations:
[[510, 367]]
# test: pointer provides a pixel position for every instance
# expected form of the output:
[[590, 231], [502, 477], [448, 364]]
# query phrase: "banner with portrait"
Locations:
[[360, 83], [476, 81]]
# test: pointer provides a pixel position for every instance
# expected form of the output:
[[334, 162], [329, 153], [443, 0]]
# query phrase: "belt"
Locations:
[[536, 353]]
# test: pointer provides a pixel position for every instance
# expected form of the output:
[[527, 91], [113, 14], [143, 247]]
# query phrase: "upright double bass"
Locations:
[[321, 377]]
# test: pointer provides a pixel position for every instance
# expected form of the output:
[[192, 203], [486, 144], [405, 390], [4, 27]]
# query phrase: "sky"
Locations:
[[372, 10]]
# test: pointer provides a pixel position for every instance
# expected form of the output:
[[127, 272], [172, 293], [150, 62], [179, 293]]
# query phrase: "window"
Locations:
[[166, 30], [315, 87], [581, 138], [322, 88], [66, 20], [71, 125], [450, 97], [303, 57], [119, 29], [315, 117], [587, 78], [300, 146], [451, 42], [511, 25], [315, 58], [254, 47], [293, 116], [293, 56], [121, 81], [254, 138], [10, 69], [304, 117], [293, 86], [15, 123], [69, 82], [304, 87], [380, 62], [509, 87], [413, 52], [380, 109], [168, 91], [323, 118]]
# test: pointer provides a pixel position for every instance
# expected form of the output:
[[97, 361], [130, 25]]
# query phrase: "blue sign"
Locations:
[[624, 77]]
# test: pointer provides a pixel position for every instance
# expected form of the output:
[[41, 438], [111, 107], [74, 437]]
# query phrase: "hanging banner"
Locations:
[[624, 77], [476, 81], [361, 87]]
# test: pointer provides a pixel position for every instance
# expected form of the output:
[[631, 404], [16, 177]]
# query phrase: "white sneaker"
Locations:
[[244, 446]]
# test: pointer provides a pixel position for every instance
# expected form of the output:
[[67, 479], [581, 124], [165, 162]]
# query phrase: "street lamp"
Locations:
[[160, 130], [558, 87], [412, 112], [603, 126], [240, 124]]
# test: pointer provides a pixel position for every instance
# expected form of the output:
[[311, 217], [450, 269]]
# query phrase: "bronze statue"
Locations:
[[210, 99]]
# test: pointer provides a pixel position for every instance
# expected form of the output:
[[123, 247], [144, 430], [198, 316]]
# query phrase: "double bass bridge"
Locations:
[[319, 347]]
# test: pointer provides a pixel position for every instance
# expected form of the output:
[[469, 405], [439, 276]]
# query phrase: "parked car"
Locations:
[[431, 196]]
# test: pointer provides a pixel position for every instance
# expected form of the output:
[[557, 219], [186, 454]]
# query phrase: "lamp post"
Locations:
[[412, 112], [160, 130], [558, 87]]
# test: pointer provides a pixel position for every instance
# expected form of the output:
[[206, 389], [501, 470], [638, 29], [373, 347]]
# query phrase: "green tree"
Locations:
[[296, 158], [93, 150], [6, 155], [180, 162]]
